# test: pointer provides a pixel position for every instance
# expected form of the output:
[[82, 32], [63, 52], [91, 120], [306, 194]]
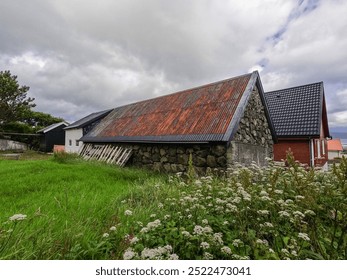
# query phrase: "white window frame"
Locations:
[[323, 147], [318, 148]]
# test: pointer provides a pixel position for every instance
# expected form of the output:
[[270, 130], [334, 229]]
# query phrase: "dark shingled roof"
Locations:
[[297, 111], [208, 113], [87, 120]]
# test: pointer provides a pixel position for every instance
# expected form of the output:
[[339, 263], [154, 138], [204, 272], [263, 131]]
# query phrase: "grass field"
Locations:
[[65, 204]]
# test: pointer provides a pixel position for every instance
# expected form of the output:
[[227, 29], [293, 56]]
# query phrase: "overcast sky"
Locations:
[[82, 56]]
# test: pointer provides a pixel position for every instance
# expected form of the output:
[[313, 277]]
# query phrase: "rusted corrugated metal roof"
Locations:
[[201, 114]]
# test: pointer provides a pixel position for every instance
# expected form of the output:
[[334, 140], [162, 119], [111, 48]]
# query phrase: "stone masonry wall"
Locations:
[[174, 158], [253, 140]]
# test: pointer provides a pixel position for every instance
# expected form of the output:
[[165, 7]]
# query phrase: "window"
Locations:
[[77, 143], [70, 142]]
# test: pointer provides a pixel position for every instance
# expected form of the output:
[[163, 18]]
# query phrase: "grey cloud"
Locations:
[[82, 56]]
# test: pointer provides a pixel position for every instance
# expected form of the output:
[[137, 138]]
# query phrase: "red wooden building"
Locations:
[[300, 121]]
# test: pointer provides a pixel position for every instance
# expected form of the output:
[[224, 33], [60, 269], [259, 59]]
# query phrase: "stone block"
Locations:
[[182, 158], [199, 161], [218, 150], [211, 161]]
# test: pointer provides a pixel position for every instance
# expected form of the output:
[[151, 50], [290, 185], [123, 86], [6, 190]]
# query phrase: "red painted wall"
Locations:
[[301, 150]]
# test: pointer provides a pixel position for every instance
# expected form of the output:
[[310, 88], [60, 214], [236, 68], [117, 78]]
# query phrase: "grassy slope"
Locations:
[[65, 204]]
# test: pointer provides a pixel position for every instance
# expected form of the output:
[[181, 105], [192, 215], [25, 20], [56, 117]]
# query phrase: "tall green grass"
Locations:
[[68, 205]]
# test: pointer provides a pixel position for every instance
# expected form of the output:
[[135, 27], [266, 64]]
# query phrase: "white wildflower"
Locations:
[[204, 221], [263, 212], [105, 235], [237, 242], [285, 251], [226, 223], [152, 216], [283, 214], [208, 256], [198, 183], [218, 237], [154, 224], [160, 205], [269, 225], [204, 245], [144, 230], [303, 236], [128, 254], [226, 250], [128, 213], [134, 240], [166, 217], [18, 217], [168, 248], [113, 228], [265, 198], [263, 193], [278, 191], [207, 230], [189, 216], [298, 214], [232, 207], [310, 213], [173, 257], [185, 233]]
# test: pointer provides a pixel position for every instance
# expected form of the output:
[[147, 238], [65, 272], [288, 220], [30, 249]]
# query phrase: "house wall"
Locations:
[[334, 154], [72, 145], [253, 140], [299, 148]]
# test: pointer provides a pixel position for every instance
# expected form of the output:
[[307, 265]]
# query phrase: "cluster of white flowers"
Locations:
[[226, 250], [237, 242], [204, 245], [129, 254], [151, 225], [304, 236], [263, 212], [128, 213], [157, 253]]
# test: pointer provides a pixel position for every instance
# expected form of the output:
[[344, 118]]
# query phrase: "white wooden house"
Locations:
[[75, 131]]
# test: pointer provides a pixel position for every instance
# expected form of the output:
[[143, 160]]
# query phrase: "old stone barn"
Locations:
[[218, 124]]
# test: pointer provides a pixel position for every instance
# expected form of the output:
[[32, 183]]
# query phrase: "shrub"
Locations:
[[254, 213]]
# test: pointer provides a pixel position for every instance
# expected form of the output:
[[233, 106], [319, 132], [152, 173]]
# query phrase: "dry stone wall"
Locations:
[[174, 158]]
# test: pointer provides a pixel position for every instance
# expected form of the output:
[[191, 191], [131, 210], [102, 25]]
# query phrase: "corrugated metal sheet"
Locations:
[[200, 114]]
